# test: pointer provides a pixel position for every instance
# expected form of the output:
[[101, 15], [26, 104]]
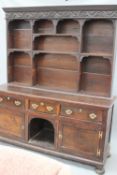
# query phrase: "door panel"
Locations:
[[11, 123], [75, 139]]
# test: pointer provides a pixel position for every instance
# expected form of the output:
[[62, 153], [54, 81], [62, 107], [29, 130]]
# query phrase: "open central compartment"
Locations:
[[56, 44], [41, 133], [57, 71]]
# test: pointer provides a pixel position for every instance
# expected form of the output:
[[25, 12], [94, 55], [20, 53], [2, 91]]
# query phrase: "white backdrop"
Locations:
[[11, 3]]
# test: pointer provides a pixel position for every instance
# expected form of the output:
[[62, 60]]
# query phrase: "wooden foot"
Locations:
[[100, 171], [108, 153]]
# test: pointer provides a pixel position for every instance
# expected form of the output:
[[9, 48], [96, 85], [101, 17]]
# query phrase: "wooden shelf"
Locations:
[[18, 50], [56, 34], [98, 74], [55, 52], [20, 84], [96, 94], [100, 54]]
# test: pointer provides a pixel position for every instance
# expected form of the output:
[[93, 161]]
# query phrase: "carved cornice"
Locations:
[[61, 14]]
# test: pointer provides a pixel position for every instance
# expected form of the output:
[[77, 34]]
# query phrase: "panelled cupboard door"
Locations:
[[81, 139], [11, 123]]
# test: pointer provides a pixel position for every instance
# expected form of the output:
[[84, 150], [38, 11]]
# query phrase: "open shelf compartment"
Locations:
[[43, 26], [20, 68], [41, 133], [69, 26], [19, 34], [56, 43], [57, 71], [95, 76], [98, 36]]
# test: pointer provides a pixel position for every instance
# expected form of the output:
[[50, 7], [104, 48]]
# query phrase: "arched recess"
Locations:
[[19, 34], [95, 76], [20, 68], [41, 132], [98, 36], [68, 26], [56, 71], [43, 26]]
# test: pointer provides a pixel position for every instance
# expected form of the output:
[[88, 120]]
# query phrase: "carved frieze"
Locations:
[[61, 14]]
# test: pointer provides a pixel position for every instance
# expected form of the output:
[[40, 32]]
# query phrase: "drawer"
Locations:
[[43, 106], [12, 101], [82, 113]]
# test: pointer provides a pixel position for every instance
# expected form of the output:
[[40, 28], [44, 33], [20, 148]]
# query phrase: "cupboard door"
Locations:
[[11, 123], [77, 138]]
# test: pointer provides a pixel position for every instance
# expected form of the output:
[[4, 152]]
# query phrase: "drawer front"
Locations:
[[11, 124], [12, 101], [81, 113], [43, 106]]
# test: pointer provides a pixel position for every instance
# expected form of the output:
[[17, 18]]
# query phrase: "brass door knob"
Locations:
[[17, 102], [68, 111], [34, 105], [92, 116], [80, 110], [49, 108], [60, 136]]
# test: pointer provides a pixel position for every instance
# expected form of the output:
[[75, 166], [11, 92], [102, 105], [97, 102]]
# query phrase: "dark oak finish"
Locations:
[[60, 71], [12, 124], [83, 133]]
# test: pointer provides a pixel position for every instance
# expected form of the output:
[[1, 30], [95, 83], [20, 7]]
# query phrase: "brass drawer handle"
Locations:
[[8, 98], [92, 116], [17, 102], [49, 108], [35, 106], [41, 104], [1, 99], [68, 111]]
